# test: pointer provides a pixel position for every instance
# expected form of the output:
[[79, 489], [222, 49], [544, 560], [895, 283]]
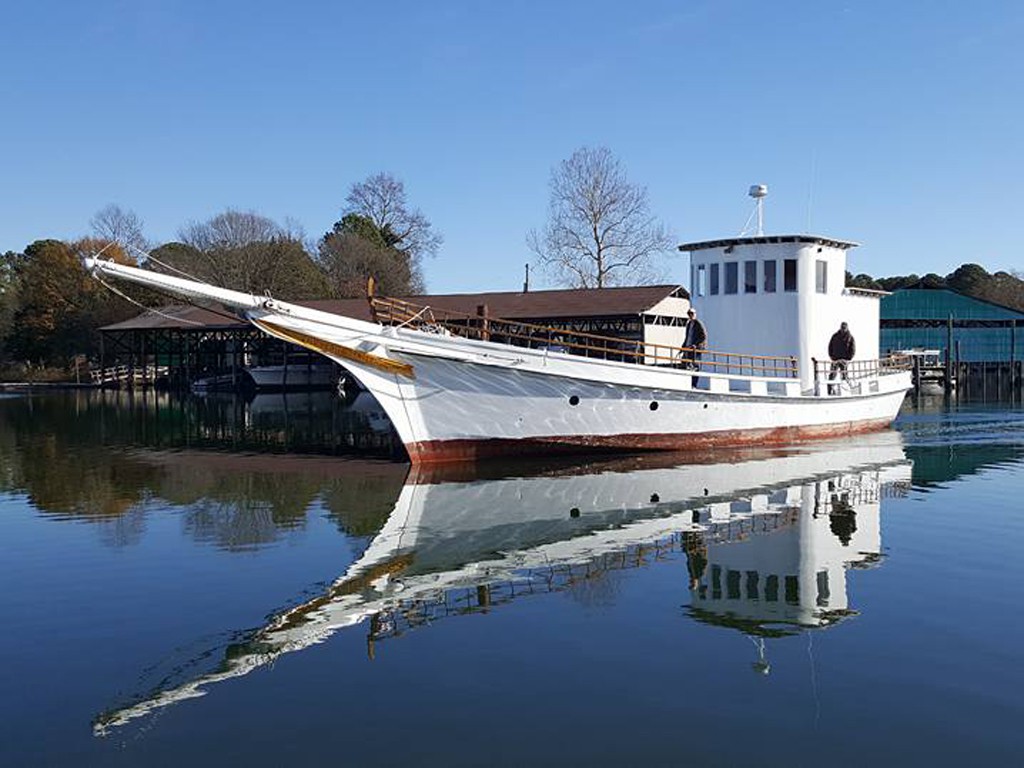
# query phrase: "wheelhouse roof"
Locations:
[[704, 245]]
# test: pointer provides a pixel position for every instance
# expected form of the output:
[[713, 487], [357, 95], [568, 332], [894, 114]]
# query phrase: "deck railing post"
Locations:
[[485, 324]]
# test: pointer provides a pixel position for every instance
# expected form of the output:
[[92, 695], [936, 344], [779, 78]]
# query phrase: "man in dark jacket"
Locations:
[[694, 341], [841, 349]]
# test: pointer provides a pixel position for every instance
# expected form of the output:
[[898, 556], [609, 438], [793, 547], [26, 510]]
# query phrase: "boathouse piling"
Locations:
[[948, 378]]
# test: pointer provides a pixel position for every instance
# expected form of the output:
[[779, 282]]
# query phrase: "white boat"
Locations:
[[297, 376], [798, 521], [458, 388], [928, 371], [271, 378], [222, 382]]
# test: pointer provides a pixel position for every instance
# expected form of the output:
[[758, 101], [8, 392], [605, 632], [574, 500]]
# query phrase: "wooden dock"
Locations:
[[990, 380]]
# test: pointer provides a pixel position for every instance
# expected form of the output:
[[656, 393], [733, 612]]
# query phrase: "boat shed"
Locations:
[[176, 345], [971, 330]]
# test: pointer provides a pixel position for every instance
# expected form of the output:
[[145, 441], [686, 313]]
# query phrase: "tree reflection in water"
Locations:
[[101, 456]]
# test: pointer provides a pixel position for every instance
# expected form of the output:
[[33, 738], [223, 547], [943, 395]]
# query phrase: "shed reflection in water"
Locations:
[[294, 422], [766, 540]]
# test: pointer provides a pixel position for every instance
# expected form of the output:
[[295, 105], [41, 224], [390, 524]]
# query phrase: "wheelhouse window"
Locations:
[[714, 280], [700, 283], [821, 276], [750, 277], [769, 276], [789, 275], [732, 276]]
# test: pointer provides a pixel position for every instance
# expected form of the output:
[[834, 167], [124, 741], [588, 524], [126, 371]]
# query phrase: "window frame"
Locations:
[[770, 285], [750, 276], [732, 278], [790, 281]]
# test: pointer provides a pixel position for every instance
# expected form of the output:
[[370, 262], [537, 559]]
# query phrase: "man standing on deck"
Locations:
[[841, 349], [695, 340]]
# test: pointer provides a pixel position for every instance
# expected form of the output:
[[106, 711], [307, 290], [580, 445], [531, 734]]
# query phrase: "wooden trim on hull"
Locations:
[[440, 451], [330, 349]]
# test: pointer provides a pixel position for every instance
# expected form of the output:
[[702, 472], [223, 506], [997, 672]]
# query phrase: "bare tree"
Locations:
[[378, 235], [600, 231], [231, 229], [381, 199], [246, 251], [123, 227]]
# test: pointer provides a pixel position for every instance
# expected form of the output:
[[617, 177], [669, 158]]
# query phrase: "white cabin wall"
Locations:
[[661, 333], [756, 323], [821, 312], [860, 313], [795, 323], [670, 306]]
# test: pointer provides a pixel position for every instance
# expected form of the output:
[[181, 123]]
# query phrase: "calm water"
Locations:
[[220, 582]]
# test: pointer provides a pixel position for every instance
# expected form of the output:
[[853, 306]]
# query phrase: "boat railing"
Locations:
[[502, 587], [855, 370], [482, 326]]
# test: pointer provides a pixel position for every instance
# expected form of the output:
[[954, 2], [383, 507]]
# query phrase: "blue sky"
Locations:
[[898, 125]]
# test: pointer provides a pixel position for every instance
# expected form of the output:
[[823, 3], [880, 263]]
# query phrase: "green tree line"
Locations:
[[1005, 288], [51, 310], [600, 232]]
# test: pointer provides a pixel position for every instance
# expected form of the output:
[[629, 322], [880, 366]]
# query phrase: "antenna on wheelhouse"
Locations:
[[759, 192]]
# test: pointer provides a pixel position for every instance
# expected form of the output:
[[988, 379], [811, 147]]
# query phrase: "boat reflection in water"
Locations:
[[766, 538]]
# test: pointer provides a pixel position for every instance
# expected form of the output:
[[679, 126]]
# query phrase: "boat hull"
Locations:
[[436, 451], [275, 377], [460, 411]]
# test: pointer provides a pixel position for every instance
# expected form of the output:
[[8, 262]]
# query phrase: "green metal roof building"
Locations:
[[920, 318]]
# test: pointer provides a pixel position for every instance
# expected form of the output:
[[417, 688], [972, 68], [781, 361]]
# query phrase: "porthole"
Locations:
[[705, 405], [654, 405], [655, 498], [574, 400], [574, 512]]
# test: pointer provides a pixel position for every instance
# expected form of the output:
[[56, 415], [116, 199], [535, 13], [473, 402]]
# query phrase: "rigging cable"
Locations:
[[184, 299]]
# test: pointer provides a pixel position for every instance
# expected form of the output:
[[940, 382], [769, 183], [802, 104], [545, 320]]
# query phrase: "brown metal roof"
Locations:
[[579, 302], [533, 305], [178, 316]]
